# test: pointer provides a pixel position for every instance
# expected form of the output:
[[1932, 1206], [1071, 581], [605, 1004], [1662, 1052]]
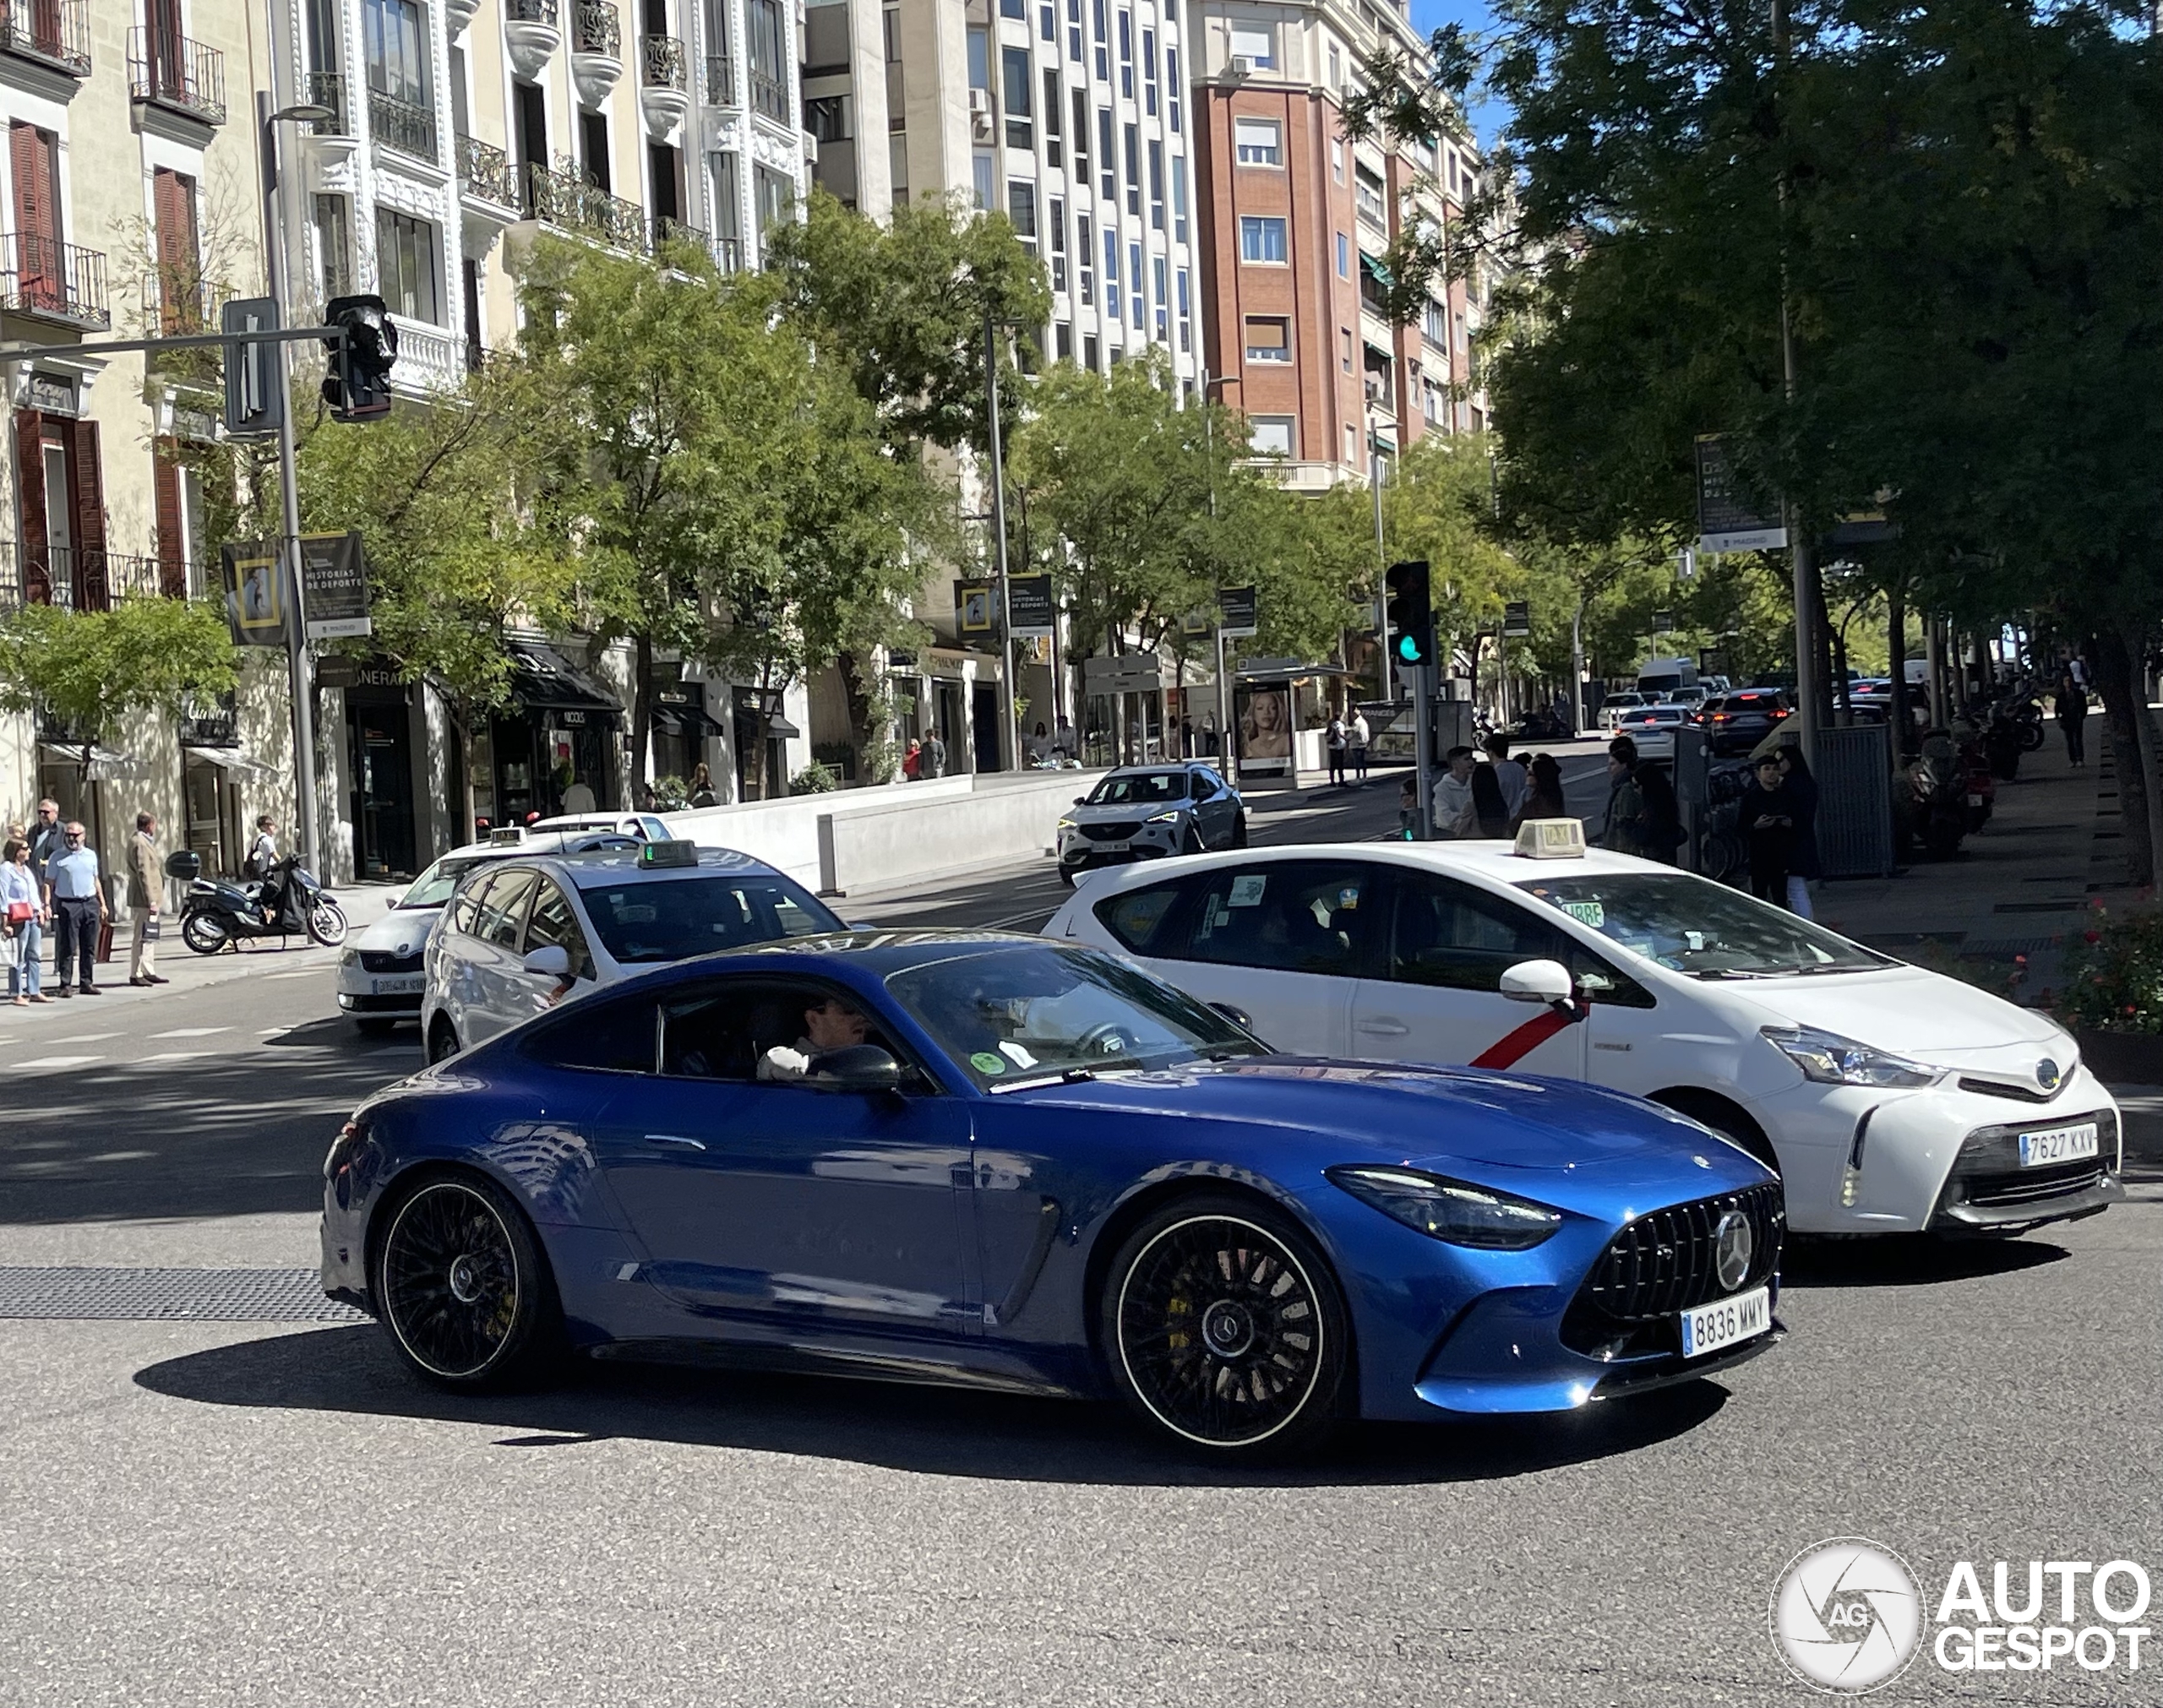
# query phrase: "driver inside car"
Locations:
[[830, 1024]]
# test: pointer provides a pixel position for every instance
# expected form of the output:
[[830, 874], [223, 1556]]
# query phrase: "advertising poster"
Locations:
[[1265, 720]]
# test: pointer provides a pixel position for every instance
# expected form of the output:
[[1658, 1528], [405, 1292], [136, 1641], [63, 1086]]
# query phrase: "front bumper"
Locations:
[[1079, 853], [1856, 1159], [361, 991]]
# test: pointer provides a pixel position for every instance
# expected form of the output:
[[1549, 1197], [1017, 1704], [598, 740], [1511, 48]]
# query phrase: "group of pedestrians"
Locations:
[[50, 881], [1490, 798], [1347, 740], [925, 759]]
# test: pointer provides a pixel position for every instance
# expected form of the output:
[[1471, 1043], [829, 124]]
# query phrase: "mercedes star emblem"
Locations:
[[1733, 1244]]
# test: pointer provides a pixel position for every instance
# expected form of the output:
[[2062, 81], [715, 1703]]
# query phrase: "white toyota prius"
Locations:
[[1891, 1098]]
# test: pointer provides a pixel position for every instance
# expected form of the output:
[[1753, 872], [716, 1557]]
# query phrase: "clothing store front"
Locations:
[[213, 769], [766, 782], [561, 736], [379, 765], [681, 730]]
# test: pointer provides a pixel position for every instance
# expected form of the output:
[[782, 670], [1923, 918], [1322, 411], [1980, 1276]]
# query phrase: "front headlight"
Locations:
[[1170, 818], [352, 957], [1451, 1210], [1066, 823], [1827, 1059]]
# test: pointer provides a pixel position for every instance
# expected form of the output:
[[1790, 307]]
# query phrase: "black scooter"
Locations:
[[288, 903]]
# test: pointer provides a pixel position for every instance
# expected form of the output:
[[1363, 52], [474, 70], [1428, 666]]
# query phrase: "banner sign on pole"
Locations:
[[1029, 606], [1517, 618], [256, 609], [1727, 519], [1236, 607], [975, 611], [334, 585]]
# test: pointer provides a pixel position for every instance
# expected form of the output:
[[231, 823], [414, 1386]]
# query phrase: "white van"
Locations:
[[1659, 678]]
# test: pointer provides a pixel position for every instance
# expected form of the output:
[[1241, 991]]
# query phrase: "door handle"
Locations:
[[674, 1139], [1382, 1027]]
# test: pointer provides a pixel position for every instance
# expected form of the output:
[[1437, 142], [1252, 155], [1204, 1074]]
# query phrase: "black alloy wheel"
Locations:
[[443, 1041], [1239, 831], [1225, 1330], [463, 1287], [204, 934]]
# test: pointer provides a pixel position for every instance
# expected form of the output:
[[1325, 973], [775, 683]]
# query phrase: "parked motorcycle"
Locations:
[[1931, 799], [290, 902]]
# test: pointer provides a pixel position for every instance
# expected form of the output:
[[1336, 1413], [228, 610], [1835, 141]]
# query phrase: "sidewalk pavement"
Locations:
[[185, 970], [2001, 911]]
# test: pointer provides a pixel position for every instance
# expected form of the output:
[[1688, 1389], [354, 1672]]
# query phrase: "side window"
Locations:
[[503, 909], [465, 907], [552, 920], [1294, 915], [607, 1037], [1606, 984], [725, 1029], [1451, 934], [1204, 786], [791, 920], [1138, 919]]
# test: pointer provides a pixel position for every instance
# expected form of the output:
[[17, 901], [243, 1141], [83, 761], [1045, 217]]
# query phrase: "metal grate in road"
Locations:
[[171, 1295]]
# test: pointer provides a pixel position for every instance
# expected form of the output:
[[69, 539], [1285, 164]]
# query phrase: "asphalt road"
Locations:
[[271, 1512]]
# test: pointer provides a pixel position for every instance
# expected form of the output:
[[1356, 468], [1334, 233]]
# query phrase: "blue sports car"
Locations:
[[1016, 1164]]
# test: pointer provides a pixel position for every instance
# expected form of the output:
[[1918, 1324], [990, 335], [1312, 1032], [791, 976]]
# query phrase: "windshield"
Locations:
[[1139, 788], [1624, 699], [667, 919], [1705, 929], [1659, 684], [1028, 1013], [433, 888]]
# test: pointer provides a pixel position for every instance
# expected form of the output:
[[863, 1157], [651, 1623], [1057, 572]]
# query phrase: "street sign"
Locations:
[[1728, 520], [334, 585], [1663, 622], [251, 382], [1237, 607], [1131, 673], [1517, 618], [1030, 606], [337, 670]]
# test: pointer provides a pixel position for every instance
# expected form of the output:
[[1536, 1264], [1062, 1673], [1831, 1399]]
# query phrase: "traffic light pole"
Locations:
[[1423, 746], [296, 665]]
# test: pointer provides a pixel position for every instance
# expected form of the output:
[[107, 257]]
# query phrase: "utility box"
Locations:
[[1855, 800]]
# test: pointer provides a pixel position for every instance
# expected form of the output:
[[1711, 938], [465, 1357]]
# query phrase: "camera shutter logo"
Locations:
[[1847, 1615]]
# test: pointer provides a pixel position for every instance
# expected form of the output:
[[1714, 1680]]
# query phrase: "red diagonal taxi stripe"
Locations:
[[1508, 1050]]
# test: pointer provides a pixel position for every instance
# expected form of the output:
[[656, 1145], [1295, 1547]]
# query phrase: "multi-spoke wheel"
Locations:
[[204, 934], [461, 1286], [443, 1041], [1223, 1326]]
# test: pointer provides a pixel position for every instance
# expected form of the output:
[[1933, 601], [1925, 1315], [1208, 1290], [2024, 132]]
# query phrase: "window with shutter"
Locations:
[[172, 519], [29, 504], [39, 282], [86, 484], [179, 258]]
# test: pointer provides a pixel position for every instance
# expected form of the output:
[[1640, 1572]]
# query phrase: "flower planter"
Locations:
[[2123, 1058]]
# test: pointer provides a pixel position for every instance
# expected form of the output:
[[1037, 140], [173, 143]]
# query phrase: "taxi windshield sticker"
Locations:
[[1015, 1053], [1246, 889], [986, 1063], [1589, 912]]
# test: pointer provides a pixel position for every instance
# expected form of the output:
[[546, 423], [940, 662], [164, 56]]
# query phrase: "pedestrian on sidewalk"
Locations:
[[702, 791], [2071, 707], [1621, 826], [146, 884], [1765, 818], [1338, 738], [1456, 813], [933, 763], [263, 851], [1490, 809], [1408, 810], [1801, 790], [22, 924], [75, 899], [913, 760], [1362, 734], [48, 838], [1511, 775], [1542, 795]]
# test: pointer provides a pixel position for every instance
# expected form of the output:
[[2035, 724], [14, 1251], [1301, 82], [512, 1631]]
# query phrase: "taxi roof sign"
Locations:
[[675, 853], [506, 836], [1551, 839]]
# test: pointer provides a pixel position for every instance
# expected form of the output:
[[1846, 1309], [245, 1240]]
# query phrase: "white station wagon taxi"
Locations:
[[1891, 1098]]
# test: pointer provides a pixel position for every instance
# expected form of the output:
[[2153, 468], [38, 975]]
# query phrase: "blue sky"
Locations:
[[1432, 14]]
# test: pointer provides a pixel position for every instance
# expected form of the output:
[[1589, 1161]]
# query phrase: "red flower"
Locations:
[[2091, 935]]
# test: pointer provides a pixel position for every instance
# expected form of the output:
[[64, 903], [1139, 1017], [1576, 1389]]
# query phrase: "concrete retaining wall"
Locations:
[[866, 839]]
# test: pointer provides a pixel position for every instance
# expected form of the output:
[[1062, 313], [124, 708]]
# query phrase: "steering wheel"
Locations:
[[1109, 1039]]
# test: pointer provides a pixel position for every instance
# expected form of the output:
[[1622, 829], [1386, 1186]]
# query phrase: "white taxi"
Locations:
[[1891, 1098]]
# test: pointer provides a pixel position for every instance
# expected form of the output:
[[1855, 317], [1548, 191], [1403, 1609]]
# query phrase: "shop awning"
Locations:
[[688, 721], [107, 766], [235, 759], [780, 729], [544, 680], [1287, 670]]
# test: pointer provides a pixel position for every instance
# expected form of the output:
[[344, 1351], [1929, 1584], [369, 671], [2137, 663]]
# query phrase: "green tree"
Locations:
[[87, 671]]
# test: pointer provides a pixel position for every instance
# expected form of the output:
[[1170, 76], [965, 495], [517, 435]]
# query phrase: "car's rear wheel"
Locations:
[[462, 1286], [1224, 1329], [1239, 831], [443, 1041]]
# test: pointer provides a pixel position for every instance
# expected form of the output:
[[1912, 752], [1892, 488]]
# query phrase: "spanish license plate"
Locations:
[[1109, 847], [400, 987], [2058, 1145], [1726, 1321]]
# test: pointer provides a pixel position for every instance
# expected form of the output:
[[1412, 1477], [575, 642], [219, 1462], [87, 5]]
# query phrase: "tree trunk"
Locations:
[[2117, 679], [857, 692], [642, 714], [1896, 631]]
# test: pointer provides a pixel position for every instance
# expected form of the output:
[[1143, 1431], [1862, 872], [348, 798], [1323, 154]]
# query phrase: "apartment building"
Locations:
[[1296, 221], [459, 131], [129, 193]]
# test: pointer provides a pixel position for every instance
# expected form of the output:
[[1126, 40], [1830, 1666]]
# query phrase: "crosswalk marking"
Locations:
[[59, 1061], [191, 1033]]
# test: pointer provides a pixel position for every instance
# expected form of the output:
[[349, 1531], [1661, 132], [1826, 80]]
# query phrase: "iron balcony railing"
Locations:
[[569, 203], [171, 71], [530, 12], [328, 88], [180, 300], [73, 579], [485, 171], [595, 29], [55, 32], [721, 80], [728, 252], [769, 97], [58, 281], [401, 125], [663, 64], [666, 228]]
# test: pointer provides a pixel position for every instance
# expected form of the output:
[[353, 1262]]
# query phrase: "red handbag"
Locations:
[[21, 912]]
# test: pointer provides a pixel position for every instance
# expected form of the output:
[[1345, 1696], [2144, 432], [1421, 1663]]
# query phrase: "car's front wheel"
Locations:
[[443, 1041], [1225, 1330], [462, 1286]]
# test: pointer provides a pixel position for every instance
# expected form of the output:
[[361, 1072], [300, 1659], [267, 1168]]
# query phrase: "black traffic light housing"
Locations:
[[1410, 616], [357, 388]]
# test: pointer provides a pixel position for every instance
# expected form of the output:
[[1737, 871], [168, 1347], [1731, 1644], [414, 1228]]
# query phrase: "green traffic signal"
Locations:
[[1407, 649]]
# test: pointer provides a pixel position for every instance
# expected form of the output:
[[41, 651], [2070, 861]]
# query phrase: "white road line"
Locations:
[[57, 1062], [174, 1056], [191, 1033], [310, 973]]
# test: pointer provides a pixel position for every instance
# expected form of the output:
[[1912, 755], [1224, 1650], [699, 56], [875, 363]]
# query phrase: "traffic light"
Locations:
[[357, 388], [1410, 616]]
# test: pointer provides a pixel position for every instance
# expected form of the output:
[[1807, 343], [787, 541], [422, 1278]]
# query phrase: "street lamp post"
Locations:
[[1226, 763], [297, 665], [1009, 740]]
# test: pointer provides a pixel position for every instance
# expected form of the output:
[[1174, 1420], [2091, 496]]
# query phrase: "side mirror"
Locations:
[[184, 864], [1536, 981], [550, 960], [1081, 800], [857, 1068]]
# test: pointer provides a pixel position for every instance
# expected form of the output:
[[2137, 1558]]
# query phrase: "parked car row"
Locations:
[[1250, 1140]]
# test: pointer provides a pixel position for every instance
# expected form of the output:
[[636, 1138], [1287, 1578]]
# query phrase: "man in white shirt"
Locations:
[[1454, 812], [579, 797], [1508, 773]]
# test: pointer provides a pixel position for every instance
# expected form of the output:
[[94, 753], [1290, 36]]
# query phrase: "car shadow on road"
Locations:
[[940, 1431], [1908, 1259]]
